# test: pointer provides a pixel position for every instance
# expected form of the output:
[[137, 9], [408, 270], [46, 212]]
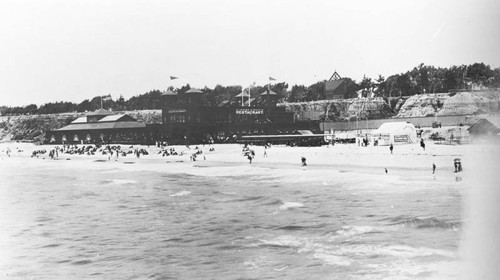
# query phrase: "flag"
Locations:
[[106, 97], [173, 78], [272, 79]]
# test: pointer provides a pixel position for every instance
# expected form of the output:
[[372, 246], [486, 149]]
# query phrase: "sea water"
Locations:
[[101, 221]]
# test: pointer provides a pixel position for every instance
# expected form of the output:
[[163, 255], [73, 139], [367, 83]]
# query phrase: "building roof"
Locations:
[[169, 92], [483, 126], [107, 122], [80, 120], [100, 112], [244, 94], [194, 90], [248, 102], [395, 127], [101, 125], [115, 118], [268, 92], [333, 85]]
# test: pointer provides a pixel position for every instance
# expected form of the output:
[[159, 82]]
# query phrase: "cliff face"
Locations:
[[422, 105], [466, 103], [440, 104], [340, 109], [444, 104]]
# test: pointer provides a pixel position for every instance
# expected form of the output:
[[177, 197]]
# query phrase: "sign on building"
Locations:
[[249, 111]]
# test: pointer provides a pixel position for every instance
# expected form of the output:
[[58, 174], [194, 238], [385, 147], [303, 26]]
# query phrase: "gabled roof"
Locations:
[[100, 125], [483, 126], [115, 118], [268, 92], [333, 85], [80, 120], [244, 94]]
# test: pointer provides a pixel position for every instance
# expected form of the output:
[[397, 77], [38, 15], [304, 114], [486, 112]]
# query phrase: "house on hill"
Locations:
[[337, 87]]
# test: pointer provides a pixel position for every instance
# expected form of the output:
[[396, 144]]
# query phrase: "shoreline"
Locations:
[[408, 161]]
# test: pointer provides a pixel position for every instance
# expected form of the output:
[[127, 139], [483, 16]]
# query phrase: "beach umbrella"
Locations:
[[457, 159]]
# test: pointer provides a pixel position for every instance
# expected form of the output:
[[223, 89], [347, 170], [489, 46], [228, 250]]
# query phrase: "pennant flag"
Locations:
[[173, 78], [106, 97], [272, 79]]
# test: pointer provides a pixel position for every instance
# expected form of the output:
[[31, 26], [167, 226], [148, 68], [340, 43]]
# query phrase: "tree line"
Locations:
[[421, 79]]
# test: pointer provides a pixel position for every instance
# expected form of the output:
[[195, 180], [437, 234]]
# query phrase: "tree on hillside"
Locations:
[[479, 73], [316, 91], [297, 94], [120, 104], [380, 85]]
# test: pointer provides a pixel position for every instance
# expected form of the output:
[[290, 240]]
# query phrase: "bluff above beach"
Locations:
[[33, 127], [422, 105]]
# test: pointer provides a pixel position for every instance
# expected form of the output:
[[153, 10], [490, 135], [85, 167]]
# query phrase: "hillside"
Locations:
[[422, 105], [32, 127]]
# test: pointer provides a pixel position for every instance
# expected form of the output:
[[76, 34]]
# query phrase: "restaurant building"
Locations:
[[187, 120]]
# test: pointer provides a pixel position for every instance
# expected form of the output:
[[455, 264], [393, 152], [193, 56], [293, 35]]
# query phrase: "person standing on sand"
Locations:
[[385, 170], [422, 144], [303, 159], [433, 168], [391, 148]]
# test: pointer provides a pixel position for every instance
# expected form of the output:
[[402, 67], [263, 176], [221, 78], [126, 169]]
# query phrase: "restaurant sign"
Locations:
[[249, 111]]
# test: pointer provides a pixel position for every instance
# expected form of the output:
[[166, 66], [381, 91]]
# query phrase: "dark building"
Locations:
[[336, 87], [483, 128], [187, 120]]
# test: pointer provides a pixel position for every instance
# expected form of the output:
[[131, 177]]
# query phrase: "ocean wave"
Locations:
[[118, 181], [290, 205], [181, 193], [424, 223], [282, 241], [350, 231], [333, 259]]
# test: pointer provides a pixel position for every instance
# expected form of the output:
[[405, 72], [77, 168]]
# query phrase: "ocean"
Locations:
[[108, 220]]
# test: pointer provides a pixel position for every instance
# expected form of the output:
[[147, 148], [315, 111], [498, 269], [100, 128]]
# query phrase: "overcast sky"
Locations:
[[74, 50]]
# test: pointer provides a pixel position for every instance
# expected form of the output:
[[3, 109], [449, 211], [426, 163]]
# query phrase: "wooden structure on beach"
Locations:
[[101, 126]]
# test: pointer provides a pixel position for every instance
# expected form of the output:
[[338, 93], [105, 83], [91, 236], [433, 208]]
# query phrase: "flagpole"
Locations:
[[249, 96]]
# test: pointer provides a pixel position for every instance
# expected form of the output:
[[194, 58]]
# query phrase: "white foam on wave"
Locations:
[[333, 259], [181, 193], [348, 231], [399, 251], [289, 205], [122, 181]]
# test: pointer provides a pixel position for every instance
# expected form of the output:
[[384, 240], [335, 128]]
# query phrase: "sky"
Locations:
[[63, 50]]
